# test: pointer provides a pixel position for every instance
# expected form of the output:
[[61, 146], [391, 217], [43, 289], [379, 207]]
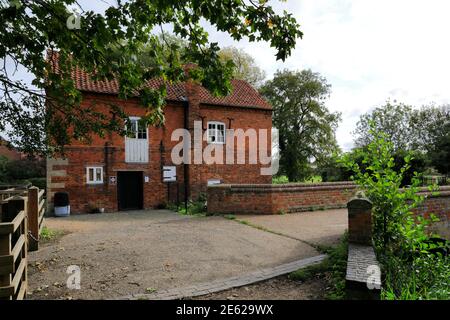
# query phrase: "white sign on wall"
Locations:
[[169, 173]]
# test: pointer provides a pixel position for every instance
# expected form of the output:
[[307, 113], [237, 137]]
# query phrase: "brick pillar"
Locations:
[[56, 167], [193, 96], [360, 220]]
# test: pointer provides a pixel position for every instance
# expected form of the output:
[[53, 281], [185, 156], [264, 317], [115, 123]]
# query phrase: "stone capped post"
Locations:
[[363, 276], [360, 220]]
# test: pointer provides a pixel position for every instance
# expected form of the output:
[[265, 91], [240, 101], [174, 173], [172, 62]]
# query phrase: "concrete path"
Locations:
[[229, 283], [317, 227], [138, 252]]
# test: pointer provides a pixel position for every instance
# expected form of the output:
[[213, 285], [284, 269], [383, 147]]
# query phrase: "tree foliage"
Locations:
[[382, 182], [30, 28], [392, 119], [245, 67], [306, 127], [440, 152], [422, 131], [406, 127]]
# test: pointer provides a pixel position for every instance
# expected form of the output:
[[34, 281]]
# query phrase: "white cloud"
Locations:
[[369, 51]]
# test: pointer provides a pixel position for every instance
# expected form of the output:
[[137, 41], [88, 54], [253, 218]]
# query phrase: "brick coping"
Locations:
[[290, 187], [443, 191], [227, 283], [284, 185]]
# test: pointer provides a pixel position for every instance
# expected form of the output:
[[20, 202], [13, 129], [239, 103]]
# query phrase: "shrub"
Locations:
[[401, 240], [280, 180], [197, 207], [41, 183], [3, 168], [25, 169], [382, 184]]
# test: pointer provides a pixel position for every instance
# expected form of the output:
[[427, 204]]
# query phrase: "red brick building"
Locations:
[[120, 173]]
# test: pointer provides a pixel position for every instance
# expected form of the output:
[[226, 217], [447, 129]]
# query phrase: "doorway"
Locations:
[[130, 193]]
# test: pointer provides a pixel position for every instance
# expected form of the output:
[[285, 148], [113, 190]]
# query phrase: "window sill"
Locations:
[[216, 142]]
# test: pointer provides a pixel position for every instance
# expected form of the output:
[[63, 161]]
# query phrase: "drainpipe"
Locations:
[[185, 165], [106, 161]]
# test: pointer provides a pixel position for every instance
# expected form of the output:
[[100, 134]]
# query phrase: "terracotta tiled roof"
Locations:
[[242, 95]]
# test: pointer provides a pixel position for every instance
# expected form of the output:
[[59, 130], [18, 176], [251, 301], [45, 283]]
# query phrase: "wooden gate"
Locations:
[[13, 249], [21, 219]]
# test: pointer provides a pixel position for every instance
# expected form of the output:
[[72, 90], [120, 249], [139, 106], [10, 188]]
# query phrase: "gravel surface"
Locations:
[[281, 288], [139, 252]]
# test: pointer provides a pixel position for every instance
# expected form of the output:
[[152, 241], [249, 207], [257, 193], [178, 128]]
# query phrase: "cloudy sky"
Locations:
[[369, 50]]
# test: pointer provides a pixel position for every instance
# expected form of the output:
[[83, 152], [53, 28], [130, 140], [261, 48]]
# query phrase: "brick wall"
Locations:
[[275, 199], [439, 205], [287, 198]]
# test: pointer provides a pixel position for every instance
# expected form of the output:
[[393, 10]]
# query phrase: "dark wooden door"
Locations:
[[130, 190]]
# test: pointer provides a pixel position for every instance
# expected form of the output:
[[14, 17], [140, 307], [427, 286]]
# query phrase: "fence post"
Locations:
[[33, 218]]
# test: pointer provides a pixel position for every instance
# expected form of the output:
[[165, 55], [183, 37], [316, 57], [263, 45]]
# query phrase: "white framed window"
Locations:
[[136, 129], [216, 132], [94, 175]]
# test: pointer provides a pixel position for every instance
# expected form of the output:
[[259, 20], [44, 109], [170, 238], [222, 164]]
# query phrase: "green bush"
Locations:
[[196, 208], [424, 277], [25, 169], [3, 169], [402, 242], [280, 180], [41, 183]]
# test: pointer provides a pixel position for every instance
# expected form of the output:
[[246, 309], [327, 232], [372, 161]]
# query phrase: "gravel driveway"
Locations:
[[139, 252]]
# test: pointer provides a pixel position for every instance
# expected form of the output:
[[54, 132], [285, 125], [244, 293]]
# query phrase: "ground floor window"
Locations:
[[94, 175]]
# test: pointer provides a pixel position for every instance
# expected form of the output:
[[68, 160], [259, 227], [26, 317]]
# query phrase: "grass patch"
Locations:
[[333, 268], [194, 208], [248, 223], [48, 234], [309, 272]]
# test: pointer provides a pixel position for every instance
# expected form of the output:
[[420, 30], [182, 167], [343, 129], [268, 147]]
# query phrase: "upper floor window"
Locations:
[[216, 132], [94, 175], [137, 129]]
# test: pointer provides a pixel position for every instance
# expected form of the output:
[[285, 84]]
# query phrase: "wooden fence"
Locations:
[[8, 191], [13, 249], [21, 219]]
